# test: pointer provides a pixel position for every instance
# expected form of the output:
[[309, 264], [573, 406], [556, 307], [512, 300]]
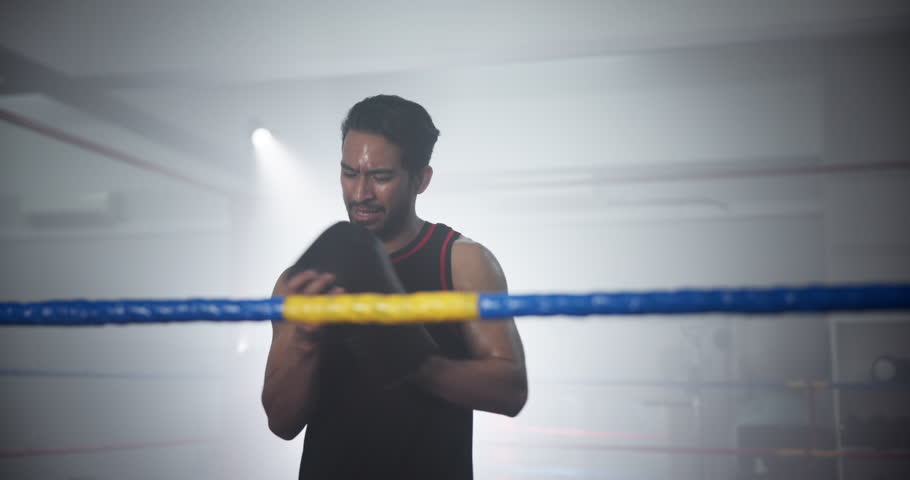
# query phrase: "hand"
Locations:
[[308, 282]]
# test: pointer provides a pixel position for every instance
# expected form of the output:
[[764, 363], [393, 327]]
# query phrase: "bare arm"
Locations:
[[494, 379], [291, 372]]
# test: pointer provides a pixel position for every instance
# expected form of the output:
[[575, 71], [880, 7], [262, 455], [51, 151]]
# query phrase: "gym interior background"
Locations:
[[592, 145]]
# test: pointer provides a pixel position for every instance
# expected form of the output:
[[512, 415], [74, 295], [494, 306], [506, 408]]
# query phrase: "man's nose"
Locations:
[[362, 190]]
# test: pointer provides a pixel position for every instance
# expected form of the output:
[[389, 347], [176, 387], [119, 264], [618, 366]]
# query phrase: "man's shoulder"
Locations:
[[474, 267], [467, 250]]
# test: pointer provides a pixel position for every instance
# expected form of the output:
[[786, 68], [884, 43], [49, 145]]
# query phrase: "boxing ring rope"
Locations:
[[87, 449], [798, 384], [729, 451], [791, 384], [460, 306]]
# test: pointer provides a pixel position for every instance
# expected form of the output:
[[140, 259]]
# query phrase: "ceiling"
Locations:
[[229, 41], [173, 87]]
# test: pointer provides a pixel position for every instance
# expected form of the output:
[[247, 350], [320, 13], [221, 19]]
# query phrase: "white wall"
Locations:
[[147, 237]]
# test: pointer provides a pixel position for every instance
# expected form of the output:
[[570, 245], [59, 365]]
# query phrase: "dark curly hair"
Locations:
[[402, 122]]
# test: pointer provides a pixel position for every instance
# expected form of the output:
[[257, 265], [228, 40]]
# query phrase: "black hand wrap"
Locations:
[[387, 355]]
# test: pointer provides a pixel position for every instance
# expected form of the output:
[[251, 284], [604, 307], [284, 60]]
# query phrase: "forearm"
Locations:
[[290, 388], [494, 385]]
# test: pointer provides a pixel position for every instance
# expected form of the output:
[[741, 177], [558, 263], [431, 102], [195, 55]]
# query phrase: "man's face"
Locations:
[[377, 189]]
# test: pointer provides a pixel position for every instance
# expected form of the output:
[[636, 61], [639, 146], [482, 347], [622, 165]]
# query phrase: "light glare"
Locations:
[[261, 137]]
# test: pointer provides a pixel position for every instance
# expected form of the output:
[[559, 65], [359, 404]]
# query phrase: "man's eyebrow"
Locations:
[[376, 171]]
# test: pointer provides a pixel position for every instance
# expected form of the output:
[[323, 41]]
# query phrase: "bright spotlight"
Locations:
[[262, 137]]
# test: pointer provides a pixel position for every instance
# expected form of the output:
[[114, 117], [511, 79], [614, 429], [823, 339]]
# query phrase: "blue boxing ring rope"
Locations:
[[470, 306]]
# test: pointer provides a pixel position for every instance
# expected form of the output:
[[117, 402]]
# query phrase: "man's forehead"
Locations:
[[370, 151]]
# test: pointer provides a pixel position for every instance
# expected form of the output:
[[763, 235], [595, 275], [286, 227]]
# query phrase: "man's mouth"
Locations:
[[365, 214]]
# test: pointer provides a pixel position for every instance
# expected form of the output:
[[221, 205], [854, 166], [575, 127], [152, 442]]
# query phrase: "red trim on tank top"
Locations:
[[423, 241], [443, 274]]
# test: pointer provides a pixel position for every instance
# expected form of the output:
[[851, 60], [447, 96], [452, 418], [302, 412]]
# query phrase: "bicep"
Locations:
[[474, 268], [496, 339], [277, 325]]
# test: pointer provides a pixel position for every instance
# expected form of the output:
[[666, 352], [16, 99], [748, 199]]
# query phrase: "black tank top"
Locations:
[[402, 433]]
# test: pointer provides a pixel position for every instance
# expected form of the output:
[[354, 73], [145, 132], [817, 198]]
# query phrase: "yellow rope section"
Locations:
[[386, 309]]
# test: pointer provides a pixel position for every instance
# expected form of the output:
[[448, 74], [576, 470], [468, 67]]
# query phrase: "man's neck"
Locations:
[[408, 233]]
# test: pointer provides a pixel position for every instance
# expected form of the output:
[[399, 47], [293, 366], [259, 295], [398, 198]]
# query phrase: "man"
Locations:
[[422, 429]]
